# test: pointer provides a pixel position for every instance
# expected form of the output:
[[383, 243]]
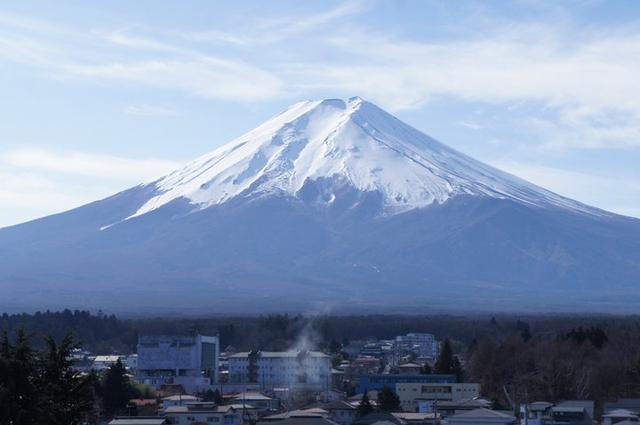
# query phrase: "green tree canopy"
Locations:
[[388, 400]]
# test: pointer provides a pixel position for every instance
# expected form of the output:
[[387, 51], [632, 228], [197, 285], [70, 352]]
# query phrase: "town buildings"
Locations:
[[191, 361], [421, 344]]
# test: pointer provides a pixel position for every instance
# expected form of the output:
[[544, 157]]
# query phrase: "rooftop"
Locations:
[[138, 420], [278, 354]]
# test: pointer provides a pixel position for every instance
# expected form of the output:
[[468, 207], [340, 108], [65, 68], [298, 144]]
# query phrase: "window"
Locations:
[[213, 419]]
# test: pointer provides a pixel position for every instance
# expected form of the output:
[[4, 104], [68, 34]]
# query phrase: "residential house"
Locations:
[[482, 417], [203, 413], [573, 412], [537, 413], [341, 412], [138, 420], [619, 415]]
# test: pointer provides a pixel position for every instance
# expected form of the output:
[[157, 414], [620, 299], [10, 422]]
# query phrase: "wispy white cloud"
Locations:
[[86, 164], [146, 110], [38, 182], [616, 194]]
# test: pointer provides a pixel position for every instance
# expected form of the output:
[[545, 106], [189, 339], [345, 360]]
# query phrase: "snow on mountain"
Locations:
[[306, 209], [350, 142]]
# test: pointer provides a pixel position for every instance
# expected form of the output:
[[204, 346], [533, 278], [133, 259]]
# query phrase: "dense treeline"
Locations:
[[98, 332], [584, 363], [40, 387]]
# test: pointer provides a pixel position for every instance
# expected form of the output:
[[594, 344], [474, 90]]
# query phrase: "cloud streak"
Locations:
[[87, 164], [584, 79]]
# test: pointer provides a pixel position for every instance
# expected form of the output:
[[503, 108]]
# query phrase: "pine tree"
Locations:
[[66, 396], [365, 407], [444, 364], [116, 389], [388, 400], [18, 394]]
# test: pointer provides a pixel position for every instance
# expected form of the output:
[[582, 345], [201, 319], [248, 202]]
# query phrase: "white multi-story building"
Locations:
[[191, 361], [424, 345], [301, 369]]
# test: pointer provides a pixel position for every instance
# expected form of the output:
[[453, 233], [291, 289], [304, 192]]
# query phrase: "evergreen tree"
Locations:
[[66, 396], [445, 362], [116, 390], [365, 407], [388, 400], [457, 370], [16, 385]]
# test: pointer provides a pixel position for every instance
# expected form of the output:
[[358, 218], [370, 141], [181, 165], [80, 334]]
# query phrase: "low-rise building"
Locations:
[[203, 413], [537, 413], [138, 420], [482, 417], [450, 408], [411, 394], [258, 401], [616, 416], [379, 381], [573, 412], [341, 412], [105, 362], [178, 400], [414, 418]]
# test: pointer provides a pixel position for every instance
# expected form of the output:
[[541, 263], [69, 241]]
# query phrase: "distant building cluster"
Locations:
[[193, 382]]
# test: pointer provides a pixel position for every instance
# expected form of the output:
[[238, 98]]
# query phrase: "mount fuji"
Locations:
[[330, 203]]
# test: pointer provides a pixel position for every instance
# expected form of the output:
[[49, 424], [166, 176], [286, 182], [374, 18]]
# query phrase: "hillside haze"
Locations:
[[330, 203]]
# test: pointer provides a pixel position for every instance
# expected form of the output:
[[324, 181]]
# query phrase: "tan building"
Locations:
[[412, 396]]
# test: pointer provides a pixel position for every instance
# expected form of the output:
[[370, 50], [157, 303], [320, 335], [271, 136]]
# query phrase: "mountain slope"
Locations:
[[333, 202]]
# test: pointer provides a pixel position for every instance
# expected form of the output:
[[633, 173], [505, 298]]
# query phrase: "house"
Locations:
[[258, 401], [299, 420], [138, 420], [302, 413], [341, 412], [481, 417], [178, 400], [413, 418], [573, 412], [617, 416], [450, 408], [537, 413], [203, 412], [191, 360], [104, 362]]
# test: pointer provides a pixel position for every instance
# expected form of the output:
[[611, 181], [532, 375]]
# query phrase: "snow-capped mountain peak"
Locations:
[[349, 143]]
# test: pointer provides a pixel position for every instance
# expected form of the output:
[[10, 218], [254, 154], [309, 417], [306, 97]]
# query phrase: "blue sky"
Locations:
[[99, 96]]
